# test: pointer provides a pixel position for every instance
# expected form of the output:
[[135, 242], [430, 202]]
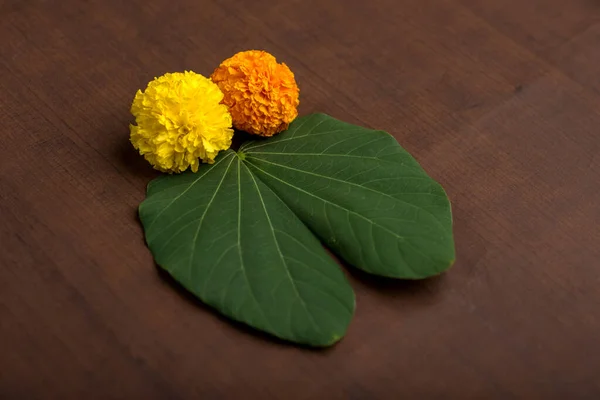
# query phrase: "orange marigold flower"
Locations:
[[261, 94]]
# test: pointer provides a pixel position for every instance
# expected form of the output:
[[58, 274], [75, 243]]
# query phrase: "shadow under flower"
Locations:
[[130, 162]]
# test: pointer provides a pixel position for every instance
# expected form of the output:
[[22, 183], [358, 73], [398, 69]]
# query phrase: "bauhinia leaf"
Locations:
[[227, 238], [365, 197], [241, 234]]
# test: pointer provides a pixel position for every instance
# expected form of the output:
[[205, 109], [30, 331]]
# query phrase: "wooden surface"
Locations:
[[498, 100]]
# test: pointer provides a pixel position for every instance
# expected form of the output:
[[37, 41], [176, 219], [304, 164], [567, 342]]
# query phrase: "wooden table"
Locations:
[[498, 100]]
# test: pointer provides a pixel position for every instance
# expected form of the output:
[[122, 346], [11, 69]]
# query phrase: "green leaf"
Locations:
[[227, 238], [243, 234], [365, 197]]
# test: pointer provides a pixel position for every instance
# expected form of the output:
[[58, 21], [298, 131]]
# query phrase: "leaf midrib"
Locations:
[[242, 267], [285, 265]]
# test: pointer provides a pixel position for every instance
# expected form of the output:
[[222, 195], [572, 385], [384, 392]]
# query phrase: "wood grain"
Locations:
[[498, 100]]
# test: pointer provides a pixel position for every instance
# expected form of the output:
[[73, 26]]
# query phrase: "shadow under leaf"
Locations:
[[189, 297], [391, 287], [397, 287]]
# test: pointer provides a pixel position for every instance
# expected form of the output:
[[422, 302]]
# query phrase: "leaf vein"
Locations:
[[352, 184], [318, 328], [185, 191], [195, 239]]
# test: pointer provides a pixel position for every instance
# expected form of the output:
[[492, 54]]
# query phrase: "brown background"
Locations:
[[499, 101]]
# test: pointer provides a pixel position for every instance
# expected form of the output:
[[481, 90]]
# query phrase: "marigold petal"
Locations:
[[180, 119], [261, 94]]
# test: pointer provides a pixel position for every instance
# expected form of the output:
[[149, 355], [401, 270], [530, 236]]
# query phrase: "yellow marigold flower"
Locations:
[[180, 120], [261, 94]]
